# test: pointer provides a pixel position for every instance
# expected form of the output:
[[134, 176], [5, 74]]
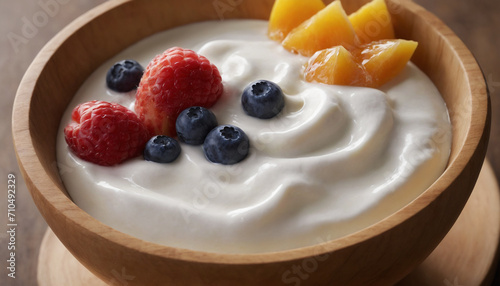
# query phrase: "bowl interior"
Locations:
[[72, 55]]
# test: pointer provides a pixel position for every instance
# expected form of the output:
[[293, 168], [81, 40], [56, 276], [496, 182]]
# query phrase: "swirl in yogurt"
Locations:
[[335, 160]]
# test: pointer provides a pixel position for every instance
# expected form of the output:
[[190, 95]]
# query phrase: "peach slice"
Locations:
[[385, 59], [371, 65], [328, 28], [288, 14], [372, 22], [335, 66]]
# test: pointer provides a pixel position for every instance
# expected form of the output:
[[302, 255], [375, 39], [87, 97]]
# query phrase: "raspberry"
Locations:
[[105, 133], [172, 82]]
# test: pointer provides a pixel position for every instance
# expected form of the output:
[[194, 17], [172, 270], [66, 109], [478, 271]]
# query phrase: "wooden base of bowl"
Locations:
[[466, 256]]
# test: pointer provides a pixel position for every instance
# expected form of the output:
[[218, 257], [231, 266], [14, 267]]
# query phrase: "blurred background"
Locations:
[[476, 22]]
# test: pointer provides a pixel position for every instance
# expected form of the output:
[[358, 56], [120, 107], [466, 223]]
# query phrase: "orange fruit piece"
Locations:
[[328, 28], [385, 59], [335, 66], [371, 65], [372, 22], [288, 14]]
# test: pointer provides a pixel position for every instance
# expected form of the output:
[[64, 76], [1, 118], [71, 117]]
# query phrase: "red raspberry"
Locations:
[[105, 133], [172, 82]]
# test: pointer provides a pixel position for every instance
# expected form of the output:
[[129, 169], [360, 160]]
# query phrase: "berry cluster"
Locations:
[[173, 95], [223, 144], [173, 81]]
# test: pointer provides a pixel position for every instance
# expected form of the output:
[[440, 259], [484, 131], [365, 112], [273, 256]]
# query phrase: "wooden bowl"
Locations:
[[378, 255]]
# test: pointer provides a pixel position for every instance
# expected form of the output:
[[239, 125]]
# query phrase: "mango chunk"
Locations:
[[358, 50], [288, 14], [385, 59], [335, 66], [371, 65], [372, 22], [327, 28]]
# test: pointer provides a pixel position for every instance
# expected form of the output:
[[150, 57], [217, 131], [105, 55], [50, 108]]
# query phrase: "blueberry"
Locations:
[[226, 144], [162, 149], [124, 76], [262, 99], [193, 125]]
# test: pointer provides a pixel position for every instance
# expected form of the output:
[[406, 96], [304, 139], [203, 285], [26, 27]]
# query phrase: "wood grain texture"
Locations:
[[469, 251], [471, 244], [14, 61], [379, 255], [56, 266], [9, 165]]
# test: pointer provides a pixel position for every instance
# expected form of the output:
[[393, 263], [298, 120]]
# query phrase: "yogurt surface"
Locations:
[[335, 160]]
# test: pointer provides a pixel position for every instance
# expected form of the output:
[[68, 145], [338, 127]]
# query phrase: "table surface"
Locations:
[[475, 22]]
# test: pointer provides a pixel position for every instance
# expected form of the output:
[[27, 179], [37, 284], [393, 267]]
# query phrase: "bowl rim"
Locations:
[[33, 170]]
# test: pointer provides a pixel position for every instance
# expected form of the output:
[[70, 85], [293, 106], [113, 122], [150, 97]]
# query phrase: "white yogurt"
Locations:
[[336, 160]]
